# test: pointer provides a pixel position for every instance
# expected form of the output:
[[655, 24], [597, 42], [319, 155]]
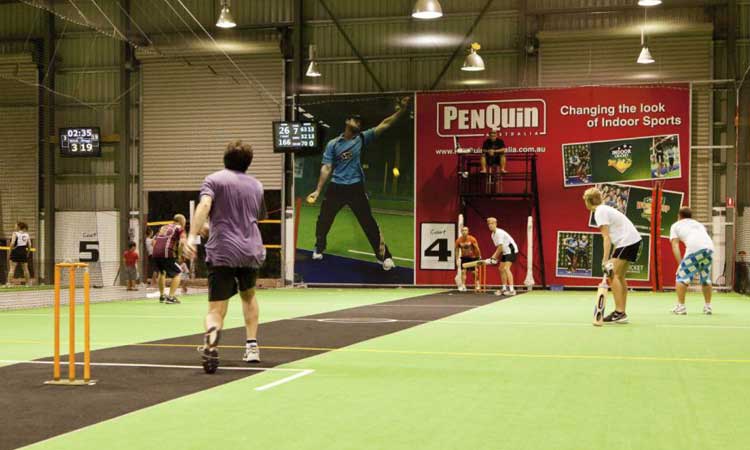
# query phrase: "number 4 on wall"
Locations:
[[436, 246], [439, 249]]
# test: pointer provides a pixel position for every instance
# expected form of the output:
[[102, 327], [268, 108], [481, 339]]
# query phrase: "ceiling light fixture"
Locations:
[[473, 62], [645, 56], [427, 9], [313, 70], [225, 17], [649, 2]]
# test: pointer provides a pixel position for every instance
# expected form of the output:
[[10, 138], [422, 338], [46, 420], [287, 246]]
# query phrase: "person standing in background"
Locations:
[[150, 265], [130, 263], [20, 246], [699, 256], [167, 246]]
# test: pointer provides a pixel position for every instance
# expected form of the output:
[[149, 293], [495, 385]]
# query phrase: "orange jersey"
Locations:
[[468, 246]]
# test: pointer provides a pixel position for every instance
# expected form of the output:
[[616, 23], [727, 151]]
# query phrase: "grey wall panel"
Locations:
[[20, 20], [416, 73], [574, 61], [189, 114], [401, 36], [87, 50], [19, 144], [84, 194], [578, 58], [700, 159]]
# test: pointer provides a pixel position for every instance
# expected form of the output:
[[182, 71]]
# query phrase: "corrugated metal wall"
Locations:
[[594, 57], [409, 54], [189, 110], [88, 81], [19, 144]]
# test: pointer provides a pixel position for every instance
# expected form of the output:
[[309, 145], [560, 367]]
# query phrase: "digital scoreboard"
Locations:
[[295, 136], [82, 141]]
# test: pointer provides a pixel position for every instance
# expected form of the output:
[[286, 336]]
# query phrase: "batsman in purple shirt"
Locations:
[[233, 203]]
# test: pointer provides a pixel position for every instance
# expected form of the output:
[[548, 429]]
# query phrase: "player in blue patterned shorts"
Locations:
[[699, 251]]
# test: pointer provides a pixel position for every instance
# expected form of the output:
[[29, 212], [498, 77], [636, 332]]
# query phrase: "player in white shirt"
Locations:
[[699, 255], [618, 232], [505, 253], [20, 246]]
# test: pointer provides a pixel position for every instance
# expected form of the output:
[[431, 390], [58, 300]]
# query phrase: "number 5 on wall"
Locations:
[[88, 251]]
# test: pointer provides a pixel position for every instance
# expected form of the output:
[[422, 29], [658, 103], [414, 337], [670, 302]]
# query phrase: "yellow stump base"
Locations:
[[71, 383]]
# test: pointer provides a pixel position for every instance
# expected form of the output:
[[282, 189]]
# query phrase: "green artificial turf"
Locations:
[[529, 373]]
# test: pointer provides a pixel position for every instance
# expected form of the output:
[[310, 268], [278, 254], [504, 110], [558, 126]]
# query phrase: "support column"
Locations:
[[123, 126], [294, 87], [49, 148]]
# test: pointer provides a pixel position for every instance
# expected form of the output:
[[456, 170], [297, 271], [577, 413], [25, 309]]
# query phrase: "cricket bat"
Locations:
[[601, 302], [471, 264]]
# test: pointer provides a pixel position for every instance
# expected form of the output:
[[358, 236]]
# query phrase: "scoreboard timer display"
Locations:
[[291, 136], [82, 141]]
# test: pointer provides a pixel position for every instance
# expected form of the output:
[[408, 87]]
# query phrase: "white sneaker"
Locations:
[[499, 293], [680, 310], [707, 310], [317, 256], [252, 354], [388, 264], [462, 289], [510, 292]]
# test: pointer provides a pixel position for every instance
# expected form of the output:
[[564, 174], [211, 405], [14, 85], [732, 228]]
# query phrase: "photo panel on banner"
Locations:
[[359, 229], [635, 159], [580, 253], [526, 156], [635, 203]]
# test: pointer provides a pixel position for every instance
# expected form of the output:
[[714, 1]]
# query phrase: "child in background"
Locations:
[[130, 260]]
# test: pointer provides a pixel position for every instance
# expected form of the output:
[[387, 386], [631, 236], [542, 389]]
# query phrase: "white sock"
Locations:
[[512, 288], [503, 288]]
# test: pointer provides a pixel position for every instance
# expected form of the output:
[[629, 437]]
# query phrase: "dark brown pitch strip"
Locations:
[[31, 411]]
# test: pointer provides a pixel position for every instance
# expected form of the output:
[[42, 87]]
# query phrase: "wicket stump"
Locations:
[[56, 378]]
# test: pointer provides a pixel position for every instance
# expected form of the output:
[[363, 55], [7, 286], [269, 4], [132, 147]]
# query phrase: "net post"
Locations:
[[72, 324], [56, 362], [86, 326], [529, 281]]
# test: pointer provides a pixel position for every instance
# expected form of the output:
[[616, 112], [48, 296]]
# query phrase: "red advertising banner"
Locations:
[[630, 135]]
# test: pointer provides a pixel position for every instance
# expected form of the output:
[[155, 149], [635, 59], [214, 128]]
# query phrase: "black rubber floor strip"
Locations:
[[31, 411]]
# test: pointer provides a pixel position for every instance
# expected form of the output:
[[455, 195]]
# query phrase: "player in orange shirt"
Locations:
[[467, 250]]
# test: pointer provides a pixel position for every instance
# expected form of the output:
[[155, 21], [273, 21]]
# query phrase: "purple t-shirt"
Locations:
[[234, 239]]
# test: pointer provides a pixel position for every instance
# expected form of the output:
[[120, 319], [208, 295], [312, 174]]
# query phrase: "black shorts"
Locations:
[[224, 282], [468, 259], [19, 255], [659, 157], [493, 160], [628, 253], [152, 265], [168, 266], [509, 257]]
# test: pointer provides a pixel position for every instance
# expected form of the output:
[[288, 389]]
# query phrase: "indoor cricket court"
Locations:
[[375, 225]]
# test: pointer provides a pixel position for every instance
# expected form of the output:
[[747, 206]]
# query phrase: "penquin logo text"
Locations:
[[526, 117]]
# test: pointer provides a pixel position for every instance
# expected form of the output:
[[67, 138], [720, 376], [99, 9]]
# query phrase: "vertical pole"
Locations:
[[56, 366], [86, 326], [48, 154], [72, 325], [123, 127]]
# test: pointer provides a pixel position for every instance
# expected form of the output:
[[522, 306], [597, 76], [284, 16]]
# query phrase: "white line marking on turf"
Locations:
[[355, 320], [265, 387], [165, 366], [373, 255]]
